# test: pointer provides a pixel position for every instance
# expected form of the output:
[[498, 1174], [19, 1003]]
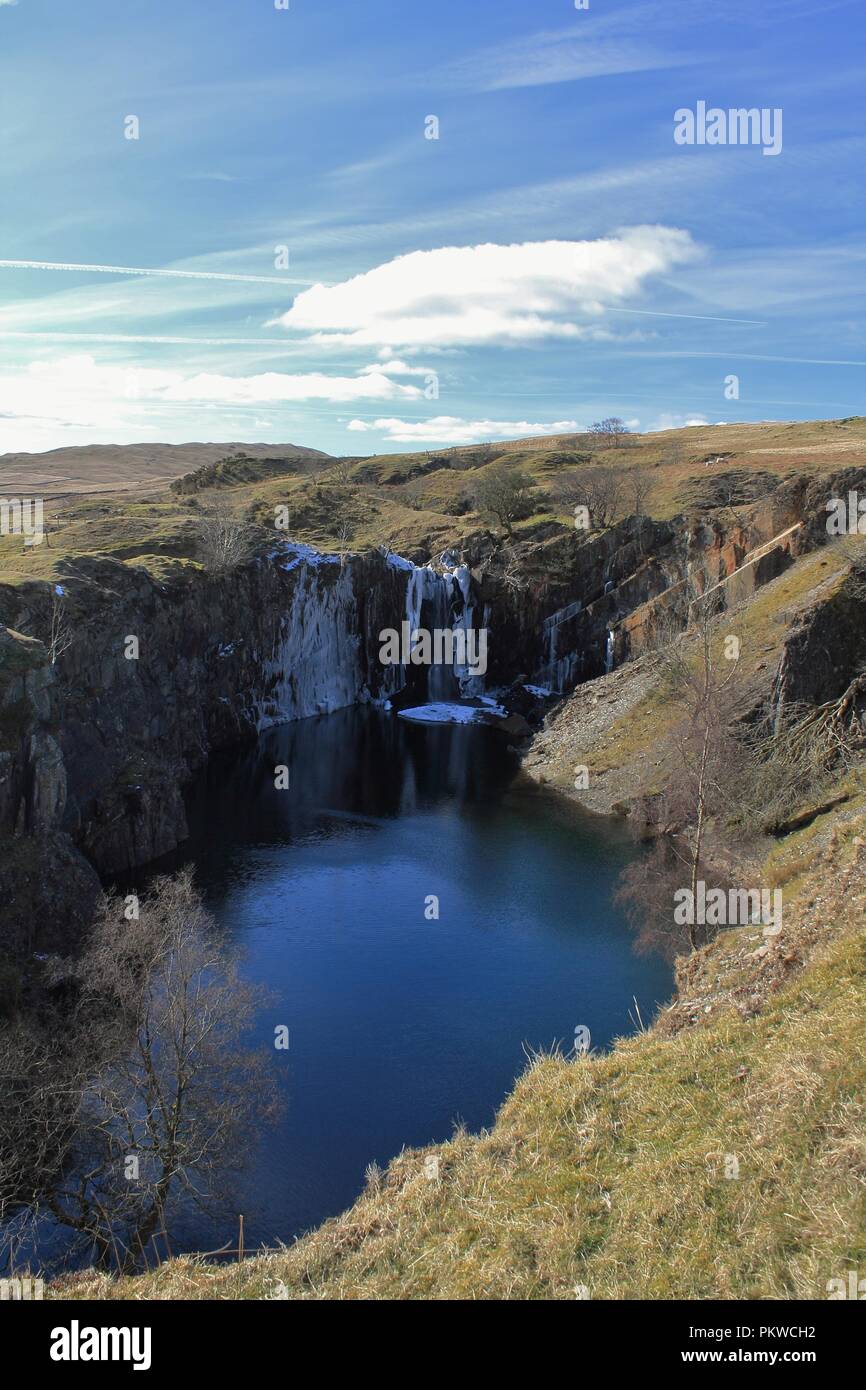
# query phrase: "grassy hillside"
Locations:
[[115, 467], [609, 1172], [617, 726], [415, 502]]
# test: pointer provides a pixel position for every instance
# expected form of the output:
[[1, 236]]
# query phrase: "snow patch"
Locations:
[[444, 712]]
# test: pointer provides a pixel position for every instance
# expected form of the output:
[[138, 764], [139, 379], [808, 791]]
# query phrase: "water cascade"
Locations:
[[559, 672]]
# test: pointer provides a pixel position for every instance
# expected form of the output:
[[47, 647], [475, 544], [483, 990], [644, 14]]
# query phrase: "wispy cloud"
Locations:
[[600, 45], [215, 177], [449, 429], [159, 339], [80, 376]]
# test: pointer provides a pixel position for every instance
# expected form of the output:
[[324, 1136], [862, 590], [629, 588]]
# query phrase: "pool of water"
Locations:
[[401, 1025]]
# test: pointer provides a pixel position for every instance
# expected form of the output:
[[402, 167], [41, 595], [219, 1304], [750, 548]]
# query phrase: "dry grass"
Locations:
[[609, 1171], [115, 500]]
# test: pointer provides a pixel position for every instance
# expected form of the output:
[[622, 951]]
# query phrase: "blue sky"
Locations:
[[553, 257]]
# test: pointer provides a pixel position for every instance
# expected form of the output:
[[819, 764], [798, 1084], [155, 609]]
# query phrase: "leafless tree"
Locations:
[[312, 467], [344, 536], [225, 541], [637, 486], [151, 1101], [503, 494], [341, 471], [599, 489], [610, 431], [62, 633], [58, 631], [699, 679], [504, 568]]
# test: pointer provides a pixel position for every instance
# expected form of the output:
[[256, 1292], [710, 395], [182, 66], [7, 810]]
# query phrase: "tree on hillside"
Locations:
[[150, 1100], [638, 486], [341, 471], [611, 431], [225, 541], [598, 489], [699, 678], [503, 494]]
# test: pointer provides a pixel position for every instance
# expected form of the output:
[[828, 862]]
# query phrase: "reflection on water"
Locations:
[[401, 1025]]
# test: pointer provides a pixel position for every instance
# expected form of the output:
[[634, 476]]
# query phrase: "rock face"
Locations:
[[587, 603], [99, 746], [159, 675]]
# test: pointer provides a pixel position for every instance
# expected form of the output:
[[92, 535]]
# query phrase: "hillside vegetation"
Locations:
[[416, 503], [718, 1153], [608, 1174]]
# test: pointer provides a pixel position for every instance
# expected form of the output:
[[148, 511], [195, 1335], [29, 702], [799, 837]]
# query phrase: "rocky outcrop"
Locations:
[[160, 674]]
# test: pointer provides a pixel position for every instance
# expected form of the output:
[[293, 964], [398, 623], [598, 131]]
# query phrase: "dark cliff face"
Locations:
[[109, 735], [572, 589]]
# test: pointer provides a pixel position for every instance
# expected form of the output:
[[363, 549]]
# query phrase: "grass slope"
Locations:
[[609, 1172], [120, 504]]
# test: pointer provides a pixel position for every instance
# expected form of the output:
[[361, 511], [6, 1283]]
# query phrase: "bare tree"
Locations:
[[151, 1101], [697, 676], [341, 471], [610, 431], [57, 633], [225, 541], [62, 634], [312, 466], [599, 489], [505, 569], [638, 487], [503, 493], [344, 536]]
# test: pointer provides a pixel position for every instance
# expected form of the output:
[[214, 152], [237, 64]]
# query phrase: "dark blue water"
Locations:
[[401, 1026]]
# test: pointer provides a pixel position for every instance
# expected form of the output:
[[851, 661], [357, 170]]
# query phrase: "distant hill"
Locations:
[[123, 467]]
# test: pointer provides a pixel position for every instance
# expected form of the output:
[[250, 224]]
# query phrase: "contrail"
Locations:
[[761, 357], [147, 270], [660, 314], [161, 338]]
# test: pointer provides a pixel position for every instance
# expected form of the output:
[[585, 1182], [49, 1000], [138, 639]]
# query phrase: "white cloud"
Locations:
[[80, 376], [48, 399], [394, 367], [671, 421], [370, 385], [460, 295], [448, 429]]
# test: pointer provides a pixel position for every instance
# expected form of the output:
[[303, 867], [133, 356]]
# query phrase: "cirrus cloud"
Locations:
[[465, 295]]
